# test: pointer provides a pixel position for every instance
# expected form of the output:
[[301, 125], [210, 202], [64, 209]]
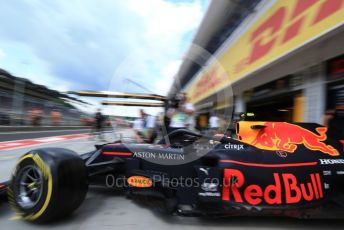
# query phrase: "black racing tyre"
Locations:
[[48, 184]]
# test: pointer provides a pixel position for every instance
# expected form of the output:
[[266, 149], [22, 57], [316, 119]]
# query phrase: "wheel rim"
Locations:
[[30, 186]]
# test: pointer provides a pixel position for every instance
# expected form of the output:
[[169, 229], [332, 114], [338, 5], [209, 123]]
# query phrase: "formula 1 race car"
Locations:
[[269, 169]]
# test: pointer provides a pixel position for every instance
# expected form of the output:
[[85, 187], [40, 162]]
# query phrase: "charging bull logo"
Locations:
[[283, 136]]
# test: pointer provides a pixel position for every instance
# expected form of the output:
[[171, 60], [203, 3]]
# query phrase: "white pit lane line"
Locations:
[[50, 139], [79, 147], [83, 139], [6, 158], [44, 131], [24, 143]]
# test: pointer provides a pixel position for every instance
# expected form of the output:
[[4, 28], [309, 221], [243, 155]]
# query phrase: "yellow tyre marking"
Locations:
[[47, 174], [13, 205]]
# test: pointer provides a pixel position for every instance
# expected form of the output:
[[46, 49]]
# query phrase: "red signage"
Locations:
[[286, 189], [336, 68]]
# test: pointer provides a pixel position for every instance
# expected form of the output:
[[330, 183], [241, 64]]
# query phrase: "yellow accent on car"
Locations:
[[47, 174]]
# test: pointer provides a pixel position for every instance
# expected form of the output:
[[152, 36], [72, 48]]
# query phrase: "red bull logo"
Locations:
[[283, 136], [286, 189]]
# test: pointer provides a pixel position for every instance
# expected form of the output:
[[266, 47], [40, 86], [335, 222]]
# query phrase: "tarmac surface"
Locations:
[[105, 209], [20, 135]]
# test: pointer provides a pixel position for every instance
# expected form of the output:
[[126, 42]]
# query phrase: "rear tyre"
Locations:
[[48, 184]]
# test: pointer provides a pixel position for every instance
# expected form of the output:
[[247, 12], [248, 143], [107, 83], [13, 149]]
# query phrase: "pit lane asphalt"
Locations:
[[105, 209], [11, 136], [20, 135]]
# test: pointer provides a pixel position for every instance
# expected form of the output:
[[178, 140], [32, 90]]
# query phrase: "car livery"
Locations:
[[285, 137], [272, 168]]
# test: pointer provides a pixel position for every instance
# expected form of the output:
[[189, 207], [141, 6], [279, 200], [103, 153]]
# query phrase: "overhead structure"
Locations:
[[280, 59], [118, 95], [220, 21], [139, 104]]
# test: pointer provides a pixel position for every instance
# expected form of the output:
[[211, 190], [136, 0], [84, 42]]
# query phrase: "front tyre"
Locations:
[[48, 184]]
